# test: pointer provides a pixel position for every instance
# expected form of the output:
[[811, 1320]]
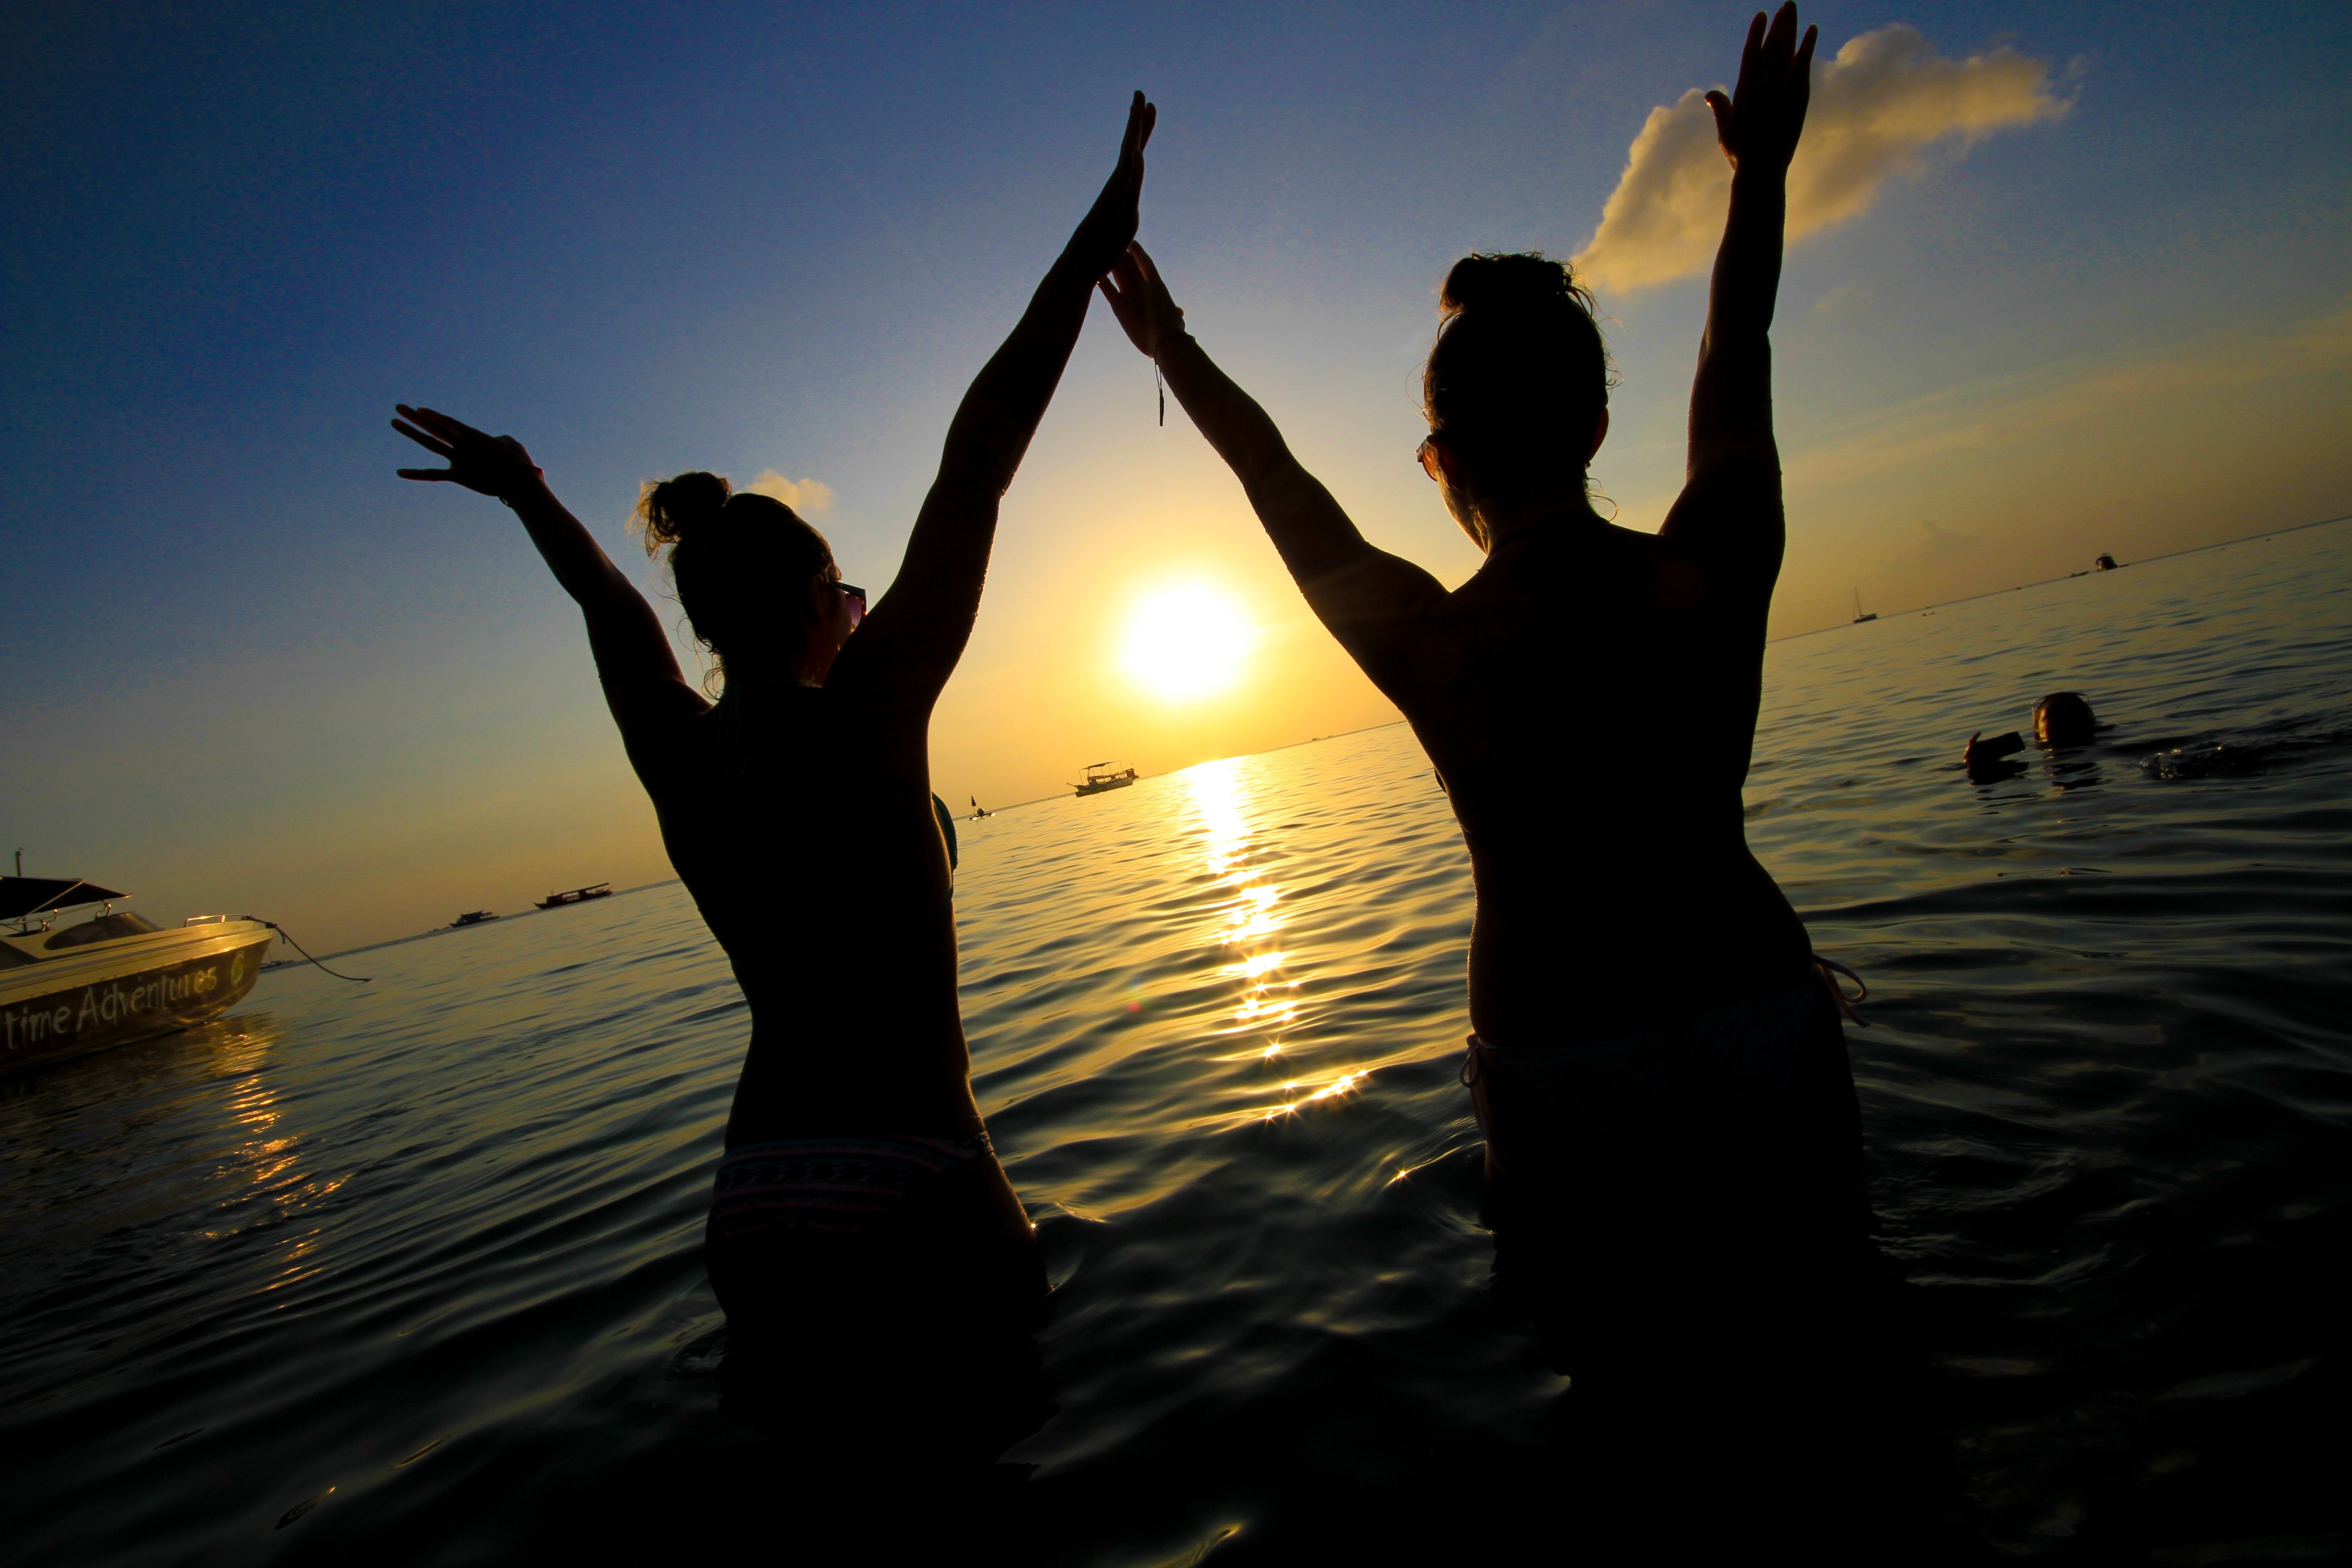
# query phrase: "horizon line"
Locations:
[[2044, 581]]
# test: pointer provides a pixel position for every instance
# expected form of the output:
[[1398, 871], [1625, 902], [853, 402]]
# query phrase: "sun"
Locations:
[[1186, 641]]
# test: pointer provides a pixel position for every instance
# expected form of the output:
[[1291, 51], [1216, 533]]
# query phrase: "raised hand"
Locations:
[[1760, 123], [1141, 301], [490, 465], [1103, 235]]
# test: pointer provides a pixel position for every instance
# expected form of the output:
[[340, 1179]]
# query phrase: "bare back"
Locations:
[[1589, 700], [800, 819]]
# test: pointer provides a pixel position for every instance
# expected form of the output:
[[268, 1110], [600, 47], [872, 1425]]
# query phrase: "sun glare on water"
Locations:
[[1186, 641]]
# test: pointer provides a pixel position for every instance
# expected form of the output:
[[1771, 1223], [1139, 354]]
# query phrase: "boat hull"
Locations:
[[133, 990]]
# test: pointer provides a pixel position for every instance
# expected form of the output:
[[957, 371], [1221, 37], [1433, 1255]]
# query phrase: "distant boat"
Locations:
[[1861, 615], [978, 810], [1101, 777], [113, 977], [2104, 561], [472, 917], [576, 896]]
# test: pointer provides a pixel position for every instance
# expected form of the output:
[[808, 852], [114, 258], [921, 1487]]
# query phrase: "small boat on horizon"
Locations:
[[1860, 614], [113, 977], [2104, 561], [1100, 776], [978, 810], [472, 917], [576, 896]]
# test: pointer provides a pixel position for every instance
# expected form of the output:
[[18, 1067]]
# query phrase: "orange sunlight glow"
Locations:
[[1186, 641]]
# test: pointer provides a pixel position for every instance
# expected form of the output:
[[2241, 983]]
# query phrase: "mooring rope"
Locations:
[[273, 925]]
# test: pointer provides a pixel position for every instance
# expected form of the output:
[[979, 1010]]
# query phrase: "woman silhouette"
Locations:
[[860, 1203], [1649, 1020]]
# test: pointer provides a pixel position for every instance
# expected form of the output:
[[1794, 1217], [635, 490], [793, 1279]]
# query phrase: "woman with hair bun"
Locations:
[[1652, 1034], [860, 1203]]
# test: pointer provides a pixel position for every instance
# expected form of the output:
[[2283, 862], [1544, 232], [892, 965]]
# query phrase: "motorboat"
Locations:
[[473, 917], [74, 981], [576, 896], [1101, 776]]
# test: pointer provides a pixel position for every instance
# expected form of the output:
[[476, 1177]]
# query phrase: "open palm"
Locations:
[[489, 465], [1760, 123], [1103, 234]]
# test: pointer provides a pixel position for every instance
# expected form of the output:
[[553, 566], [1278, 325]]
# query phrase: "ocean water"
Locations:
[[410, 1271]]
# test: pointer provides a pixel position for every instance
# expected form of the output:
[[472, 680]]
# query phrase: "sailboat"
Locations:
[[978, 810], [1861, 615]]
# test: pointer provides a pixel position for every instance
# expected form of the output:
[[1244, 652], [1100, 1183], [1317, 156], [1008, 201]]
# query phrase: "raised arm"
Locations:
[[1732, 451], [1367, 599], [643, 684], [909, 642]]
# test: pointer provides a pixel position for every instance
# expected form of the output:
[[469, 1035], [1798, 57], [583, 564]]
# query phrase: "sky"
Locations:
[[2063, 279]]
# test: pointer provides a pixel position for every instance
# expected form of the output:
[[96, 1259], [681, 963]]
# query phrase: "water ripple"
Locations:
[[412, 1271]]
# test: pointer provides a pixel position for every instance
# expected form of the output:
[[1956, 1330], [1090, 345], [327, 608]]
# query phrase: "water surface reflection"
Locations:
[[1246, 925], [2105, 1115]]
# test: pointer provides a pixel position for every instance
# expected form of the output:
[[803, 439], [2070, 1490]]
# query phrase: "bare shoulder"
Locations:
[[662, 724], [1729, 519]]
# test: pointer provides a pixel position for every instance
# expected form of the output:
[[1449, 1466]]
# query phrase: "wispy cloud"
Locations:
[[1887, 96], [2003, 414], [800, 495]]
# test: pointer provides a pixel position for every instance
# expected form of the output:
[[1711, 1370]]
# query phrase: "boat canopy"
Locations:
[[24, 896]]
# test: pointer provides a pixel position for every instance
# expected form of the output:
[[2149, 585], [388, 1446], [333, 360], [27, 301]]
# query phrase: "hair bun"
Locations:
[[675, 507], [1528, 282]]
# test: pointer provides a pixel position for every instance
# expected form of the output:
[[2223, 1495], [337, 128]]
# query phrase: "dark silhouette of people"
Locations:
[[1674, 1154], [879, 1274], [2063, 719], [1988, 761]]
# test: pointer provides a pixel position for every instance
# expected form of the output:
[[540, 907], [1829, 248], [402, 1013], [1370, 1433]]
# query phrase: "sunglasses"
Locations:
[[856, 597], [1426, 455]]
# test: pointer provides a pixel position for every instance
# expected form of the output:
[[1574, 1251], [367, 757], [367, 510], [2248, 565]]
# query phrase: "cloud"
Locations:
[[1936, 546], [800, 495], [1843, 302], [1883, 97]]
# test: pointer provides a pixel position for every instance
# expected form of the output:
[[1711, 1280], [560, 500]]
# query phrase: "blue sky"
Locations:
[[248, 666]]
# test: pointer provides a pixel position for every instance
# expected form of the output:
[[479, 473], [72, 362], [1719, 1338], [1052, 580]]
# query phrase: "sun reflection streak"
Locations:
[[268, 1176], [1249, 918], [1247, 924]]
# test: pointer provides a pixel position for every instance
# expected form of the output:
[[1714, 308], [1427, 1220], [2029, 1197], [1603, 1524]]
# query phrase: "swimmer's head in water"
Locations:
[[2063, 719], [759, 583], [1517, 387]]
